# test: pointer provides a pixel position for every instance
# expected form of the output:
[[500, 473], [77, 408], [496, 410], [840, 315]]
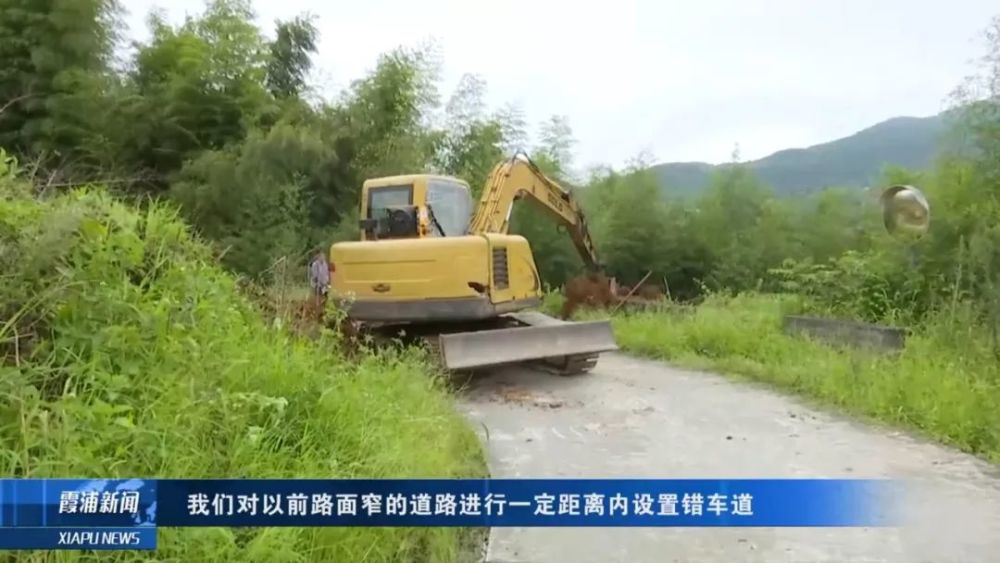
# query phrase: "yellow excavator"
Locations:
[[432, 266]]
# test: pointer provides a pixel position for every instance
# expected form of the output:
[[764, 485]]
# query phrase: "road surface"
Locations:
[[636, 418]]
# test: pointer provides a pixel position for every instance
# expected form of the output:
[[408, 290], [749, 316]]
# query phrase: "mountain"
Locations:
[[856, 160]]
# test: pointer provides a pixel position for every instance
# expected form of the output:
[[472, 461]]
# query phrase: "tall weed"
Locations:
[[126, 352]]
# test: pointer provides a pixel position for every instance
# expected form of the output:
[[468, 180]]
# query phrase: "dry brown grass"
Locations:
[[589, 290]]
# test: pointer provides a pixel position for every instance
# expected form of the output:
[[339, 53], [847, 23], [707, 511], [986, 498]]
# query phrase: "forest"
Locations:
[[216, 116]]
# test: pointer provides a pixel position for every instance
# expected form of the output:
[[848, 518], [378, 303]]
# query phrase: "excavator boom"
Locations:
[[566, 347], [519, 178]]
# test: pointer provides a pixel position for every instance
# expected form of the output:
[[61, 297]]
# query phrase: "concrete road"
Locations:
[[635, 418]]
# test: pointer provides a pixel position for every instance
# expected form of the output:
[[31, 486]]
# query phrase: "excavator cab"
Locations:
[[418, 262], [415, 207]]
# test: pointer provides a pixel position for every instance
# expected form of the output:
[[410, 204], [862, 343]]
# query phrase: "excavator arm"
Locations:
[[518, 178]]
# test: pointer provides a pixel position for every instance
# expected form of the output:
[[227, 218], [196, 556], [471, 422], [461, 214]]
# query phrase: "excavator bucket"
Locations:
[[566, 346]]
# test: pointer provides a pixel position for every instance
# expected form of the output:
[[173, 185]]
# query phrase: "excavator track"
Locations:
[[570, 365], [574, 364]]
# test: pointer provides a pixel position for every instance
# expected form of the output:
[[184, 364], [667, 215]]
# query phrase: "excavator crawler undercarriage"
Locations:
[[515, 338]]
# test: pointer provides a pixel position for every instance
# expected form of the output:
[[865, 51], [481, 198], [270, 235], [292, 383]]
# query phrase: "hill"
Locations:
[[856, 160]]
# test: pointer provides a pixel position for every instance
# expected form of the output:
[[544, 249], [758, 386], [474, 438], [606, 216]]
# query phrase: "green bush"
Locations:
[[129, 353]]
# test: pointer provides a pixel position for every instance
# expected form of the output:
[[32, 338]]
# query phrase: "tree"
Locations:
[[514, 127], [55, 75], [472, 142], [727, 218], [196, 87], [633, 237], [385, 114], [556, 143], [977, 101], [291, 57], [252, 198]]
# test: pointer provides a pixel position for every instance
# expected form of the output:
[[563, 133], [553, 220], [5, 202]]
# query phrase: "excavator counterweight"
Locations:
[[429, 264]]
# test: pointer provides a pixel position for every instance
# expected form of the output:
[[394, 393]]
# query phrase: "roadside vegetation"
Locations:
[[944, 384], [127, 352]]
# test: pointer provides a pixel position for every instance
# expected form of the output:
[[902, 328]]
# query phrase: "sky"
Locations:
[[679, 81]]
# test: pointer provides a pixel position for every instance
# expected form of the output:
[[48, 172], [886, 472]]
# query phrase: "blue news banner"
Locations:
[[125, 514]]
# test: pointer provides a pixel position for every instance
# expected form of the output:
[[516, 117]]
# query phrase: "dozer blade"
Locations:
[[466, 350]]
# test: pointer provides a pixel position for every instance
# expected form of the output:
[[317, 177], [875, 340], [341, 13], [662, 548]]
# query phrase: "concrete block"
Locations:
[[848, 333]]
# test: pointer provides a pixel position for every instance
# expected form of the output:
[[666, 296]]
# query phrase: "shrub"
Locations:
[[129, 353]]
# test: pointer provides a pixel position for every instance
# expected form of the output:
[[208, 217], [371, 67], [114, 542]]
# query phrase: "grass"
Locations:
[[945, 384], [142, 359]]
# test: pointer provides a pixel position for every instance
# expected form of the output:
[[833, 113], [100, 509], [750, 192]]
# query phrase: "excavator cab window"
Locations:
[[391, 213], [451, 204]]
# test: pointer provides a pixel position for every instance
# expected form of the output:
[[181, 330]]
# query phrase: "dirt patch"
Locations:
[[591, 290], [598, 291], [649, 292], [308, 316], [524, 397]]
